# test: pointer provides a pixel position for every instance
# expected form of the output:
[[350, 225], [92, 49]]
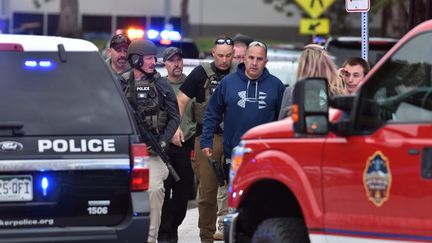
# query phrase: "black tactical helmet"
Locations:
[[142, 48]]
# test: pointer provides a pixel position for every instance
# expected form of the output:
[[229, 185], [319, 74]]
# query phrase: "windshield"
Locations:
[[51, 97]]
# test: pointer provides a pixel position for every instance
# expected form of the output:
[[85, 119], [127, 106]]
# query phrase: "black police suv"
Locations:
[[72, 168]]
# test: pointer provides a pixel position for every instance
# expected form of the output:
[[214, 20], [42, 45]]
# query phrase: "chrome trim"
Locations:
[[234, 217], [64, 164]]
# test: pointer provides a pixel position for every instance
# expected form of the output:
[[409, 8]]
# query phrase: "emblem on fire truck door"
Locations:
[[377, 178]]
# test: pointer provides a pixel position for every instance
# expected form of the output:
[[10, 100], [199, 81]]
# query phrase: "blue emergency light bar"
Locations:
[[44, 185], [164, 35], [152, 34], [39, 64]]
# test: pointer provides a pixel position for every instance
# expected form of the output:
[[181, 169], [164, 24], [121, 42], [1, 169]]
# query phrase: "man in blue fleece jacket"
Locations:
[[243, 99]]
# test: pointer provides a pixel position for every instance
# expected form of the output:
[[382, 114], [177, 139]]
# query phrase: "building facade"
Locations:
[[257, 18]]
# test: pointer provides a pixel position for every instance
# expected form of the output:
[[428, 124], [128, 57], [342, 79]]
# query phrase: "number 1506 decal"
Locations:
[[97, 210]]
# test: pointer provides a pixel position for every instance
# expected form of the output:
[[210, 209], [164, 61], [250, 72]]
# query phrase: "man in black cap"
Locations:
[[154, 102], [117, 55], [177, 193]]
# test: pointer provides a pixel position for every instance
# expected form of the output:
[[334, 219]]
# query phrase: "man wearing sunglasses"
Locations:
[[155, 105], [117, 56], [200, 84]]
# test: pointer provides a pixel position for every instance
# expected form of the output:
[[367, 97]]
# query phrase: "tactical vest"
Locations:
[[147, 100], [210, 85]]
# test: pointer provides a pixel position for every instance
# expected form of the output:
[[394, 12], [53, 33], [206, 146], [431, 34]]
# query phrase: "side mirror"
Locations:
[[310, 106]]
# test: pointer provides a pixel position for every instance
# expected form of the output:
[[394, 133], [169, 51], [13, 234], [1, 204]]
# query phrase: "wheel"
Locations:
[[281, 230]]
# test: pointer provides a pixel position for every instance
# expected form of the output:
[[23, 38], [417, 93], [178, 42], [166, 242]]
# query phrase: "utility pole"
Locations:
[[5, 16], [167, 14]]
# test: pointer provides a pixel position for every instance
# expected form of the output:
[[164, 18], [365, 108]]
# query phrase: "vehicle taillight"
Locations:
[[295, 113], [11, 47], [140, 167], [382, 43]]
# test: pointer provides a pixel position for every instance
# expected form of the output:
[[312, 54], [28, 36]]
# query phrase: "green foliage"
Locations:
[[205, 43]]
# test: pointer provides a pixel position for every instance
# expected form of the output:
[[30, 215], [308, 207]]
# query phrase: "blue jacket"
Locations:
[[243, 104]]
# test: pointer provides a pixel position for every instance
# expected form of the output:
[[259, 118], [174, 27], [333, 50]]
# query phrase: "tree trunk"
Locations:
[[68, 19], [420, 11], [185, 24], [395, 19]]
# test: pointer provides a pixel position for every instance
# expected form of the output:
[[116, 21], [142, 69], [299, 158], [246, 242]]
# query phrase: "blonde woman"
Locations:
[[314, 62]]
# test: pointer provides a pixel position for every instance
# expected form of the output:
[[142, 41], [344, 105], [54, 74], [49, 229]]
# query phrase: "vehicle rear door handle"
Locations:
[[426, 165]]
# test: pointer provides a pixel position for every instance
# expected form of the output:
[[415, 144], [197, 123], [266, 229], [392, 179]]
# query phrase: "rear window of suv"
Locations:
[[342, 50], [50, 97]]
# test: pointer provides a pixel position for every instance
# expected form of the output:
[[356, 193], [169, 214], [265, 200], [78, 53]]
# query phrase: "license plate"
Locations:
[[16, 188]]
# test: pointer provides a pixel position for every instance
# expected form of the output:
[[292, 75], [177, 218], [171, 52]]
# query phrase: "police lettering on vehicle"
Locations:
[[76, 145]]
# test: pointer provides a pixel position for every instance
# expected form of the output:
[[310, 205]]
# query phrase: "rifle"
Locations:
[[218, 170], [145, 131]]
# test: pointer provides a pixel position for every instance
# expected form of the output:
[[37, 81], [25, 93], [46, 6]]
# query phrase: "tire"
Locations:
[[281, 230]]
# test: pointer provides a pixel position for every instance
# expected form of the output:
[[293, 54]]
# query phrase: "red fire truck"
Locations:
[[343, 169]]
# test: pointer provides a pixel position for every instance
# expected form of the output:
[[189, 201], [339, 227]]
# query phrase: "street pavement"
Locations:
[[188, 231]]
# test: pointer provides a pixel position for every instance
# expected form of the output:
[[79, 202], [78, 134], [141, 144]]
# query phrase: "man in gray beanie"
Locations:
[[154, 101]]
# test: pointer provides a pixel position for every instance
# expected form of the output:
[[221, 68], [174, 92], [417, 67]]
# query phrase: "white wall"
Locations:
[[239, 12], [201, 12], [207, 12], [103, 7]]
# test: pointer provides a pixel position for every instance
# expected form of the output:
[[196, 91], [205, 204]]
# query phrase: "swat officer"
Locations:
[[200, 84], [154, 101]]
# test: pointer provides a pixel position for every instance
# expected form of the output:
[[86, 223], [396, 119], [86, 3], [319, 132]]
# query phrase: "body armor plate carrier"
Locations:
[[146, 99], [210, 85]]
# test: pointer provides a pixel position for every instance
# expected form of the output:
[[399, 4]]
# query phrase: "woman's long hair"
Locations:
[[316, 62]]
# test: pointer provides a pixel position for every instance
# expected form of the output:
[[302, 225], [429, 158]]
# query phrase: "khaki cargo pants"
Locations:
[[158, 173], [208, 188]]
